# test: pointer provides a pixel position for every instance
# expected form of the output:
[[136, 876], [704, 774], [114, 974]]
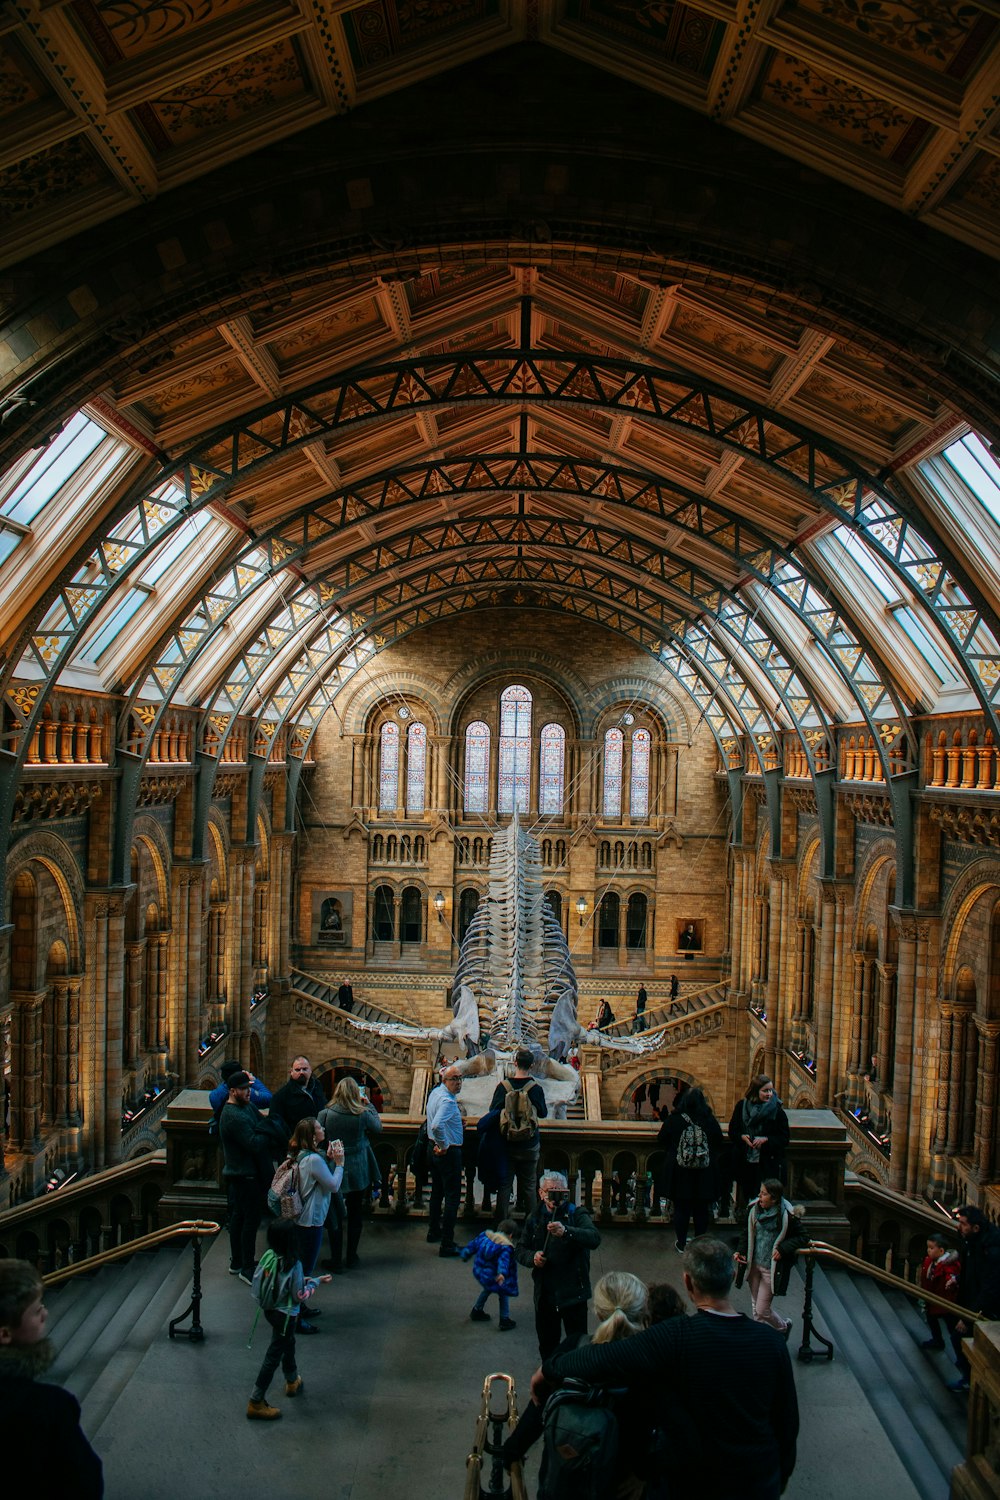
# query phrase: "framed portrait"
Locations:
[[690, 935], [331, 918]]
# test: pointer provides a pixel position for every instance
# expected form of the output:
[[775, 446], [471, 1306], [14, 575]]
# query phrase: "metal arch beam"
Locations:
[[713, 658], [427, 608], [736, 539], [530, 378], [814, 466]]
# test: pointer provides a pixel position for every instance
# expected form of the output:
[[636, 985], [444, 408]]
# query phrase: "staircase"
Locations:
[[878, 1333], [103, 1325]]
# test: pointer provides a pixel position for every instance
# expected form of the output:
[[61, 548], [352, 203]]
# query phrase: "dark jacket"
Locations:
[[40, 1427], [293, 1102], [979, 1287], [564, 1280], [776, 1131], [535, 1094], [690, 1184], [791, 1237], [721, 1388], [247, 1143], [491, 1156], [360, 1167], [494, 1256]]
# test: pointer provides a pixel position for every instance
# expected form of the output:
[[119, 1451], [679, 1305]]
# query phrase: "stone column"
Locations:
[[969, 1074], [910, 1133], [986, 1097], [825, 1062], [961, 1020], [135, 962], [736, 923], [105, 980], [26, 1069], [857, 1012], [74, 987], [886, 1022]]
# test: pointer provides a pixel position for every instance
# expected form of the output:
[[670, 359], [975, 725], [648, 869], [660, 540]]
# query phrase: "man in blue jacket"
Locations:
[[260, 1094]]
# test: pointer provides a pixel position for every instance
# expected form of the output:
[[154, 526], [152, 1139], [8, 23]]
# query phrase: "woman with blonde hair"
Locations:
[[620, 1303], [350, 1119]]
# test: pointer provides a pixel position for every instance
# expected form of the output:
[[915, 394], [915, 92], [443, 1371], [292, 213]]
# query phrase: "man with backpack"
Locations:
[[717, 1388], [556, 1243], [521, 1103], [693, 1143]]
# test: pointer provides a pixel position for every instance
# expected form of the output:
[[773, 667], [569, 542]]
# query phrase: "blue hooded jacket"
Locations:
[[494, 1257]]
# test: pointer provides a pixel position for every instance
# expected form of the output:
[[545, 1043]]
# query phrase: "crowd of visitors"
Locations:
[[703, 1401]]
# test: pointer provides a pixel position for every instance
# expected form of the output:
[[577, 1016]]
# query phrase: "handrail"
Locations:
[[484, 1461], [820, 1250], [85, 1187], [657, 1017], [189, 1228], [372, 1004]]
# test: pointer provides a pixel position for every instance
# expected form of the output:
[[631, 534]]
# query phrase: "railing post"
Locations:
[[195, 1333], [806, 1353]]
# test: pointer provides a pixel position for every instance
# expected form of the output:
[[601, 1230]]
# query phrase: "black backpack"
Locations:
[[692, 1147], [579, 1444]]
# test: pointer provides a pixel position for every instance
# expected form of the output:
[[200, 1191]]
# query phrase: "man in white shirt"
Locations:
[[445, 1134]]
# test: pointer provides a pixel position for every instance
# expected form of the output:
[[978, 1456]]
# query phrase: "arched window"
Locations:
[[477, 767], [382, 915], [551, 762], [416, 767], [554, 898], [515, 750], [468, 905], [613, 754], [410, 915], [639, 784], [607, 921], [388, 769], [635, 921]]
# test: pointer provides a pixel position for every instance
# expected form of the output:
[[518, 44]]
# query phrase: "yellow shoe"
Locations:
[[294, 1387], [262, 1411]]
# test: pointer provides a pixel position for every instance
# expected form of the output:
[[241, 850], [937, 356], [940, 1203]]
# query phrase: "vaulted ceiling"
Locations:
[[616, 322]]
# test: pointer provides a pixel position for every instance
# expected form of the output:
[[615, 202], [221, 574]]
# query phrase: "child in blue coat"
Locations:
[[495, 1269]]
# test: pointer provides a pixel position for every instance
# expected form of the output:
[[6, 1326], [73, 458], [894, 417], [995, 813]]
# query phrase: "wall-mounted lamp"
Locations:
[[438, 900], [581, 906]]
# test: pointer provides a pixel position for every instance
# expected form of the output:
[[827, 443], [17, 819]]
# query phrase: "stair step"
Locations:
[[173, 1272], [74, 1334], [127, 1295], [893, 1376]]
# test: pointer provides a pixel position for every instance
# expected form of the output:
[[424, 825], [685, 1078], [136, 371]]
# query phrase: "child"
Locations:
[[35, 1418], [939, 1276], [495, 1269], [280, 1304]]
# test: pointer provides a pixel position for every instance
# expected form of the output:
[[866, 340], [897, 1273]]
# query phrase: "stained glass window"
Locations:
[[515, 749], [388, 770], [639, 784], [551, 763], [613, 753], [416, 767], [477, 767]]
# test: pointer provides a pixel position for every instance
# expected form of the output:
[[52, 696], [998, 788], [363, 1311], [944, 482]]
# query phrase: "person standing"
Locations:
[[939, 1276], [979, 1282], [639, 1024], [301, 1096], [768, 1243], [555, 1243], [446, 1134], [260, 1094], [719, 1386], [675, 988], [692, 1141], [345, 996], [246, 1139], [282, 1309], [758, 1135], [605, 1016], [351, 1119], [522, 1142], [321, 1169]]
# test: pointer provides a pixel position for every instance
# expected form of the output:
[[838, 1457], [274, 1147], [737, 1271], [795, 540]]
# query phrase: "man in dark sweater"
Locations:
[[717, 1389], [522, 1159], [300, 1097], [979, 1282], [246, 1148]]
